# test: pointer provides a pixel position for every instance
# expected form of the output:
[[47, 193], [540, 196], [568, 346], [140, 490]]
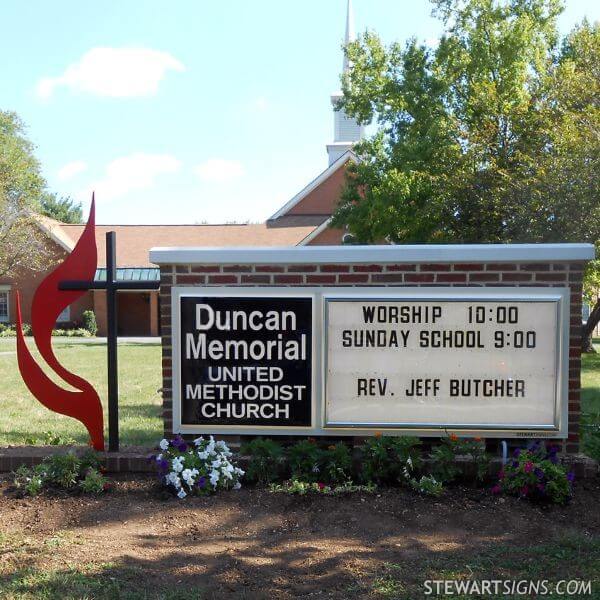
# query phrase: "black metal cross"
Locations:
[[112, 286]]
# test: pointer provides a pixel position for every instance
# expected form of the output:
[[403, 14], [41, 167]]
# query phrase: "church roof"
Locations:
[[134, 241]]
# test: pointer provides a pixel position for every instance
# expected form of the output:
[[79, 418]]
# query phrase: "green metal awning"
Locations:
[[147, 274]]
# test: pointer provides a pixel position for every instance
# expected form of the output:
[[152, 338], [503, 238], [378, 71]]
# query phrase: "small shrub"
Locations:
[[536, 474], [301, 488], [444, 467], [427, 485], [93, 482], [336, 465], [11, 331], [80, 332], [304, 460], [89, 322], [200, 468], [65, 471], [265, 460], [388, 460]]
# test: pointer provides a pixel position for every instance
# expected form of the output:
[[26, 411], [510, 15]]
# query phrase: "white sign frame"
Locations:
[[320, 297]]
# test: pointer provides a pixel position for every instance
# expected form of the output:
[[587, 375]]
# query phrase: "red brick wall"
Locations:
[[394, 275]]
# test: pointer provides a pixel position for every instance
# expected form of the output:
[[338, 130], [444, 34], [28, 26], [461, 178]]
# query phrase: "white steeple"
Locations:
[[346, 131]]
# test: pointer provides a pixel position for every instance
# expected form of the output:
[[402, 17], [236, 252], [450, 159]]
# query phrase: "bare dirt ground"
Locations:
[[139, 542]]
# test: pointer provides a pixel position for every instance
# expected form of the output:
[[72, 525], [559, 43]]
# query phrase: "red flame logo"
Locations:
[[48, 302]]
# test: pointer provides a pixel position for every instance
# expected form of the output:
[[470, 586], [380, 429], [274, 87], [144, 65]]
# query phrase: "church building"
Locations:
[[303, 220]]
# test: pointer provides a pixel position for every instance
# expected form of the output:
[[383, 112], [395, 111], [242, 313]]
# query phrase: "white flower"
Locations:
[[177, 464], [216, 463], [164, 444], [409, 462], [198, 441], [173, 479], [239, 471], [214, 478], [159, 457], [181, 494], [202, 455], [237, 485], [315, 469]]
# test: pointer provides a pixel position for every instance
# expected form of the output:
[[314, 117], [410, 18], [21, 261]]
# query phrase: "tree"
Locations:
[[64, 210], [21, 187], [491, 137]]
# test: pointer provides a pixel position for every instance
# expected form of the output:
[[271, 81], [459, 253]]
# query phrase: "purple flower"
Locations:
[[539, 473], [179, 443], [541, 487], [553, 459], [515, 464], [528, 467], [496, 489], [201, 482], [163, 464], [570, 477], [517, 452]]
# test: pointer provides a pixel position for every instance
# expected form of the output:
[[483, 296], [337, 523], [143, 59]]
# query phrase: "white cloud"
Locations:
[[219, 170], [260, 104], [71, 169], [137, 171], [114, 72]]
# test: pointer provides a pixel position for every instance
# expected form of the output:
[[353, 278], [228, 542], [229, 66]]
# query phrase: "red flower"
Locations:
[[528, 467], [321, 485]]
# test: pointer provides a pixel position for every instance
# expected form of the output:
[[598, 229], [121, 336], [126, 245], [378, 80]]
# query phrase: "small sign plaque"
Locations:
[[246, 361]]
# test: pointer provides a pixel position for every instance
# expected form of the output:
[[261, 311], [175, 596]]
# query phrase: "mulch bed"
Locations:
[[256, 544]]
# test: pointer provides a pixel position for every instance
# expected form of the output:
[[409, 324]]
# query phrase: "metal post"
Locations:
[[111, 342]]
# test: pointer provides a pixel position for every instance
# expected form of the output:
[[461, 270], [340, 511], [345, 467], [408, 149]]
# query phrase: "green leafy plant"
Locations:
[[93, 482], [89, 322], [64, 471], [444, 467], [336, 464], [388, 460], [301, 488], [265, 457], [427, 485], [304, 460], [50, 439], [537, 475]]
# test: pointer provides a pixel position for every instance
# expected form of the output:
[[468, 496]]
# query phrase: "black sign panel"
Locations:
[[246, 361]]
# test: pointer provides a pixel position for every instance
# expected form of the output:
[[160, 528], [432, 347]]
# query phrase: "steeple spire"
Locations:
[[346, 131], [350, 36]]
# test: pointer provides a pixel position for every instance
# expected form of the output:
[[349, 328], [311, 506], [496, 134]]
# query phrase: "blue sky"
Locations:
[[189, 111]]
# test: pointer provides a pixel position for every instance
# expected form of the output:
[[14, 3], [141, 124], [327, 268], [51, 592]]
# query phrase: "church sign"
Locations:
[[353, 361]]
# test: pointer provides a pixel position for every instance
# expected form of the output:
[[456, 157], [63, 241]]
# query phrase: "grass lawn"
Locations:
[[23, 419]]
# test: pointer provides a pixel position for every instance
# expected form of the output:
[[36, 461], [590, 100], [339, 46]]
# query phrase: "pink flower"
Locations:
[[501, 474], [496, 489], [524, 490], [321, 485], [528, 467]]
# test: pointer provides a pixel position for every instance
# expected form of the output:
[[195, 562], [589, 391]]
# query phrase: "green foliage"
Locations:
[[536, 475], [48, 438], [63, 471], [301, 488], [490, 137], [21, 188], [444, 467], [265, 460], [388, 460], [89, 322], [93, 482], [336, 464], [79, 332], [427, 485], [64, 210], [304, 460]]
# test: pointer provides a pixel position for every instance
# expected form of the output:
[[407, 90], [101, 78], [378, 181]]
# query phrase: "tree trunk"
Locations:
[[588, 329]]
